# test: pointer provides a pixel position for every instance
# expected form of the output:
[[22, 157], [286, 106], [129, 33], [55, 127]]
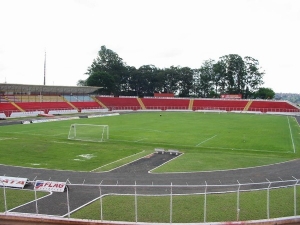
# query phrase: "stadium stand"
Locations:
[[166, 103], [21, 100], [272, 106], [46, 107], [219, 104], [86, 105], [120, 103]]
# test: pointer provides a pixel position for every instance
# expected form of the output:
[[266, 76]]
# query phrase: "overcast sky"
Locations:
[[142, 32]]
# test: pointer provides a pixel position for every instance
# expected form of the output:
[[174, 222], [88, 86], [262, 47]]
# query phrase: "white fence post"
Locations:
[[238, 203], [101, 210], [268, 200], [171, 203], [4, 197], [205, 202], [68, 202], [295, 196], [135, 204], [36, 204]]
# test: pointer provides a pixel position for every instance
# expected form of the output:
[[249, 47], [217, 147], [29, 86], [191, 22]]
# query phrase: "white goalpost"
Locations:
[[89, 132]]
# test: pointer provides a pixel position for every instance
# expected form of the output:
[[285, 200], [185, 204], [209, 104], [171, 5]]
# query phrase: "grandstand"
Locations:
[[22, 100]]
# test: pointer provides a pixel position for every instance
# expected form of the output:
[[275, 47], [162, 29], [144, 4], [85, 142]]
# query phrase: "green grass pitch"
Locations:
[[210, 141]]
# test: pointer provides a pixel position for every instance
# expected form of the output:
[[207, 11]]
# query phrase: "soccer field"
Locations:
[[209, 141]]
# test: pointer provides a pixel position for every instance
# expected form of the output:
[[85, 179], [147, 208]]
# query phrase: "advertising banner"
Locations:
[[232, 96], [42, 185], [15, 182]]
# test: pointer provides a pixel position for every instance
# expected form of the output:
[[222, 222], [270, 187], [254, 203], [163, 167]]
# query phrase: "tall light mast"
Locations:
[[45, 69]]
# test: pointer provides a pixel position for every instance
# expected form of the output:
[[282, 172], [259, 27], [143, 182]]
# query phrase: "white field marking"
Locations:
[[63, 142], [57, 134], [117, 161], [150, 171], [27, 203], [33, 134], [19, 132], [291, 135], [213, 147], [140, 140], [205, 140], [87, 156], [159, 131], [30, 134], [3, 139]]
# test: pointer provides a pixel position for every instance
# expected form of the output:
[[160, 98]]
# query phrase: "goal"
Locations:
[[89, 132]]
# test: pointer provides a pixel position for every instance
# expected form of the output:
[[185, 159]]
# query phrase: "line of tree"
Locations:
[[231, 74]]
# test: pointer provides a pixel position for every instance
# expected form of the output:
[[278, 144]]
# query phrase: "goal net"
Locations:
[[89, 132]]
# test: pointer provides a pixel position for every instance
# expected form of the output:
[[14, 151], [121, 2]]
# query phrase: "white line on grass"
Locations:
[[62, 142], [117, 161], [212, 147], [205, 140], [140, 140], [3, 139], [291, 135]]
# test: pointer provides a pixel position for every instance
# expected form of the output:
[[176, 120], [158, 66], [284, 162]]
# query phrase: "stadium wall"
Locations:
[[40, 220]]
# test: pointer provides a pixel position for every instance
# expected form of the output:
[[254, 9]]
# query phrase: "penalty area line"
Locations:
[[205, 140]]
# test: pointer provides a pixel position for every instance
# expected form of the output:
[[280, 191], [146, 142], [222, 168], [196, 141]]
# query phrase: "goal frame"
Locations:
[[103, 136]]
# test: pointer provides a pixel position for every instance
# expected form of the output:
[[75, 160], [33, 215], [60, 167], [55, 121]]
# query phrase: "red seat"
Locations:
[[219, 104], [166, 103], [120, 103]]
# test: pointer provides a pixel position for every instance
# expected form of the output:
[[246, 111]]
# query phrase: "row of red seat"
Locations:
[[132, 103]]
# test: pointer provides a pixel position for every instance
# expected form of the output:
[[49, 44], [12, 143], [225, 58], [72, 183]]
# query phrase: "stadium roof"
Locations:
[[26, 88]]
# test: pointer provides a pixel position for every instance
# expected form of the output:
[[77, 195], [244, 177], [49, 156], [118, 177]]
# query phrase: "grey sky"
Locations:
[[142, 32]]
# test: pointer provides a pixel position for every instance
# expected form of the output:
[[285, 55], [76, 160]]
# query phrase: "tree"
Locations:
[[253, 76], [185, 81], [206, 78], [103, 80], [231, 74], [109, 62], [81, 83], [234, 73], [264, 93]]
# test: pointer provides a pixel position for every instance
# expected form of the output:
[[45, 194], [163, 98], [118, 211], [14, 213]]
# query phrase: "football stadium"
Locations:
[[70, 156]]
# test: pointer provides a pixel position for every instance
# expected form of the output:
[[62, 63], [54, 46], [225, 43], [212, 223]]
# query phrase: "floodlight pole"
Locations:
[[45, 69]]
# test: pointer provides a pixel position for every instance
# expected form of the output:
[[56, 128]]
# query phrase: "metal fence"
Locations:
[[163, 203]]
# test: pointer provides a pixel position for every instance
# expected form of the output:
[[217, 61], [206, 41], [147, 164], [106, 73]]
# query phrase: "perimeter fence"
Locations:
[[162, 203]]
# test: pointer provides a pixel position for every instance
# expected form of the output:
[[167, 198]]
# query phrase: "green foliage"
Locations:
[[231, 74], [264, 93]]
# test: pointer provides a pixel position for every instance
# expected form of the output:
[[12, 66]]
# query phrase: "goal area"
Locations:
[[89, 132]]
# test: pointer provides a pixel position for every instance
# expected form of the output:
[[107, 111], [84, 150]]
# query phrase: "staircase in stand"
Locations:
[[14, 104], [141, 103], [191, 103], [247, 106]]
